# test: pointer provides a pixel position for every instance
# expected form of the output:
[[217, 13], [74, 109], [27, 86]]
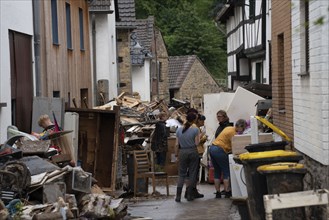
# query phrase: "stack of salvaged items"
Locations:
[[137, 120], [41, 181]]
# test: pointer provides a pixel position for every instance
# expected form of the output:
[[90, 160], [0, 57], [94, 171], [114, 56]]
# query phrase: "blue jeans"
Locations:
[[220, 162], [161, 158]]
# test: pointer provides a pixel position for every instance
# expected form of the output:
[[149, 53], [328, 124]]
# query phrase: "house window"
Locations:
[[259, 72], [280, 64], [68, 26], [252, 6], [82, 46], [305, 46], [54, 21], [56, 94]]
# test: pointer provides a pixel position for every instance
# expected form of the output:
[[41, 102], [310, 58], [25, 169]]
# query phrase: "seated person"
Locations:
[[47, 125]]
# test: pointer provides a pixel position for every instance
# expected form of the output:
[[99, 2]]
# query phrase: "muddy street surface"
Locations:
[[164, 207]]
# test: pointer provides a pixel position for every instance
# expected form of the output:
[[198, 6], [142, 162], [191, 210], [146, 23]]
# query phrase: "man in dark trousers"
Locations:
[[159, 141]]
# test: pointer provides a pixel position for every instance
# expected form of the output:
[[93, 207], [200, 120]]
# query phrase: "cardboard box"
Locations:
[[240, 141]]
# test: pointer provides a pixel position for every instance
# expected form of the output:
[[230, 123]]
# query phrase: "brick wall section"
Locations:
[[123, 37], [197, 83], [281, 24], [162, 56]]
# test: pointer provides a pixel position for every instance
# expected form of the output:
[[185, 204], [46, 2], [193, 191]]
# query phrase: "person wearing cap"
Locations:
[[219, 151]]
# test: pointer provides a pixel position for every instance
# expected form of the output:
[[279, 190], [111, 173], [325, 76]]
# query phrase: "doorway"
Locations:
[[21, 80]]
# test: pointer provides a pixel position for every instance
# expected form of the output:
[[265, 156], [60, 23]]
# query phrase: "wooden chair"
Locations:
[[142, 169]]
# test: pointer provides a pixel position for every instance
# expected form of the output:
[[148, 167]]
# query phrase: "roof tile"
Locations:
[[179, 67], [127, 13]]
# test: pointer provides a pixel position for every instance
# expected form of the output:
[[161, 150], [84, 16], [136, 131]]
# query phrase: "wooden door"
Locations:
[[21, 80]]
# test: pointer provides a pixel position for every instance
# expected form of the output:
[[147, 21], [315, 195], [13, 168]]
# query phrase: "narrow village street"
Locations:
[[112, 109], [165, 208]]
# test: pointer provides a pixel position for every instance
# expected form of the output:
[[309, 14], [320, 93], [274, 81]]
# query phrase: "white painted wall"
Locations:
[[141, 81], [17, 16], [268, 39], [106, 51], [311, 93]]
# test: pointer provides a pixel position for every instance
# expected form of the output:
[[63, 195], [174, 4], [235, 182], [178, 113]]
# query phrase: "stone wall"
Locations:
[[123, 39], [316, 178], [197, 83], [162, 57]]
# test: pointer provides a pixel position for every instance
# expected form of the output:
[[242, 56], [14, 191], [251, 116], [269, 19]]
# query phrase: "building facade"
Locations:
[[248, 41], [16, 66], [310, 86], [124, 28], [65, 64], [103, 15], [282, 100], [150, 61], [189, 80]]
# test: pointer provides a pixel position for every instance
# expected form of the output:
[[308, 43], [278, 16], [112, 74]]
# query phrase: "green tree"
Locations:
[[188, 29]]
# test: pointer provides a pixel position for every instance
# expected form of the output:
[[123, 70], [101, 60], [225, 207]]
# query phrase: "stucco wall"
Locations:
[[106, 59], [141, 80], [16, 16]]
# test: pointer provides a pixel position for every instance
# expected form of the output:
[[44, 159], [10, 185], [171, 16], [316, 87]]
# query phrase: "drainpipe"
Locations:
[[36, 37], [93, 31]]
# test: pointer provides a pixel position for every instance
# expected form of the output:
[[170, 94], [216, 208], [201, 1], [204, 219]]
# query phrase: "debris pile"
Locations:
[[38, 180]]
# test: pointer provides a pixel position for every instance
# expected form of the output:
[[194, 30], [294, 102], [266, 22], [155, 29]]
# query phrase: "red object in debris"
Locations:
[[211, 175], [56, 124], [6, 151]]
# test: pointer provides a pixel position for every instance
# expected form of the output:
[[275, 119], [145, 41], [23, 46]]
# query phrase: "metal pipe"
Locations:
[[93, 30], [36, 38]]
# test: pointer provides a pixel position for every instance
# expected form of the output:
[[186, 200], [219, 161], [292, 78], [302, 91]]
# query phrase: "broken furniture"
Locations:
[[98, 144], [142, 169], [295, 199]]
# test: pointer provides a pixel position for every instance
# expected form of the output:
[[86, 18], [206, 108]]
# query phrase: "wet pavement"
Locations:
[[164, 207]]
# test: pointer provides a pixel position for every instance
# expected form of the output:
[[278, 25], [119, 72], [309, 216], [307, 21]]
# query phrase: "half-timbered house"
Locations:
[[248, 40]]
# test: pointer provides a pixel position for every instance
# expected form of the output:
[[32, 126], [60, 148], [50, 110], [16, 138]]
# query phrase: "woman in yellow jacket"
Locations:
[[219, 151]]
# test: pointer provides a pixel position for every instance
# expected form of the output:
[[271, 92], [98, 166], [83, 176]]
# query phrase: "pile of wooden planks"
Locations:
[[127, 101]]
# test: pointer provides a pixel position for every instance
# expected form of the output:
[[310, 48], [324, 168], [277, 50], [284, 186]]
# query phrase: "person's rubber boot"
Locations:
[[228, 194], [178, 194], [189, 196], [185, 194], [196, 194], [218, 195]]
